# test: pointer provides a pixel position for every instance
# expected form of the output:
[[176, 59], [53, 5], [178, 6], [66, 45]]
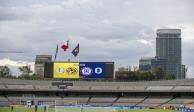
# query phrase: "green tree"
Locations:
[[5, 72], [159, 73], [122, 75], [148, 76], [128, 75], [36, 77], [25, 72], [169, 77], [134, 75]]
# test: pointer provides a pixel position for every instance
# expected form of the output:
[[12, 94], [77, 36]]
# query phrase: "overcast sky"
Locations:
[[122, 31]]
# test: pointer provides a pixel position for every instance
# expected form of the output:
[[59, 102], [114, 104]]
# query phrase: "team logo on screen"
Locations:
[[71, 71], [60, 70], [86, 71], [98, 70]]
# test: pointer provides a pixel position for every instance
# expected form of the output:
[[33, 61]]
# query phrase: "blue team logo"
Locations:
[[86, 71]]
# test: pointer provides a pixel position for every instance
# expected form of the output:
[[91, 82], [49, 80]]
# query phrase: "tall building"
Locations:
[[39, 63], [168, 54], [168, 46]]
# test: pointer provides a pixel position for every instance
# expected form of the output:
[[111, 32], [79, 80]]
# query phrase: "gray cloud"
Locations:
[[13, 13]]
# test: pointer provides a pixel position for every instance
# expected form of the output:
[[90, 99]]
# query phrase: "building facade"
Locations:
[[145, 64], [168, 46], [149, 64], [159, 63], [183, 71], [39, 63]]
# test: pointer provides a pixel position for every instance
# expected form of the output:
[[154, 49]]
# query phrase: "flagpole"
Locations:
[[56, 52], [69, 59], [78, 56], [78, 53]]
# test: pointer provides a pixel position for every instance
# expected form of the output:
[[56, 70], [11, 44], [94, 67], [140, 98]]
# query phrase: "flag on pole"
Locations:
[[65, 46], [75, 50], [56, 52]]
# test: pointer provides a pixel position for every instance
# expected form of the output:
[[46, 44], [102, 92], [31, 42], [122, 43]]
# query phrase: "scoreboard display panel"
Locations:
[[75, 70]]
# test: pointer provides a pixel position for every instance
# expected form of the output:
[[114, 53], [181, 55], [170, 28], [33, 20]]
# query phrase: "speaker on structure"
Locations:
[[48, 70]]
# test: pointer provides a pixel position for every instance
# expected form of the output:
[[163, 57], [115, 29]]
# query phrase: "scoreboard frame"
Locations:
[[107, 70]]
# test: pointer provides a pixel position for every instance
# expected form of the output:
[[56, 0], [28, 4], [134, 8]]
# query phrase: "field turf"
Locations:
[[84, 110]]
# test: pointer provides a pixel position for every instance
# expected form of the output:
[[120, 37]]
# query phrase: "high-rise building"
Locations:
[[39, 63], [168, 54], [168, 46]]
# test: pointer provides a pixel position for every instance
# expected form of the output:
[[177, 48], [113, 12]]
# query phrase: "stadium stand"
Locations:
[[148, 104], [100, 104], [4, 101], [148, 94], [81, 100], [102, 99], [123, 104], [2, 87], [182, 100], [131, 99], [157, 100]]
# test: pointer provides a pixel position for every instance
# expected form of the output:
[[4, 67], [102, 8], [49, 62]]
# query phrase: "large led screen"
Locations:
[[74, 70]]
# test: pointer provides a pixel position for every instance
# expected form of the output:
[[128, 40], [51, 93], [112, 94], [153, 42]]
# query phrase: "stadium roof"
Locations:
[[186, 85], [184, 82]]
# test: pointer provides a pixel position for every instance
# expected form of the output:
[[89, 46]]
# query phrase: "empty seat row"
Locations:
[[102, 99], [182, 100], [82, 100], [129, 99], [157, 100]]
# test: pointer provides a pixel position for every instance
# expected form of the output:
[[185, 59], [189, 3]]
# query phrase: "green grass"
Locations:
[[85, 110], [23, 110], [148, 110]]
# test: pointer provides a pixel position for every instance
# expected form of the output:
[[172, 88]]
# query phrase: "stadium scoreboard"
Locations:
[[75, 70]]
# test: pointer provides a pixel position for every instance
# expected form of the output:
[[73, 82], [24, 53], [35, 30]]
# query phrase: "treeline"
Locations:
[[25, 73], [156, 74]]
